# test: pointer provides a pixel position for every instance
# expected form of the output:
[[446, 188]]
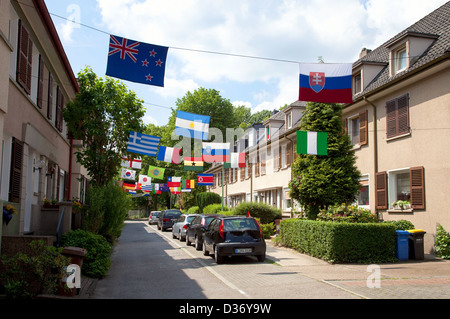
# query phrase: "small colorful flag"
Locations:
[[193, 164], [188, 184], [192, 125], [156, 172], [131, 163], [128, 174], [236, 160], [143, 144], [136, 61], [169, 154], [326, 83], [175, 190], [313, 143], [173, 181], [145, 180], [164, 187], [205, 179], [156, 189], [128, 186], [216, 152], [147, 188]]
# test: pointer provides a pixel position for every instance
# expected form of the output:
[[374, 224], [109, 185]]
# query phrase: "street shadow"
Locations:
[[145, 266]]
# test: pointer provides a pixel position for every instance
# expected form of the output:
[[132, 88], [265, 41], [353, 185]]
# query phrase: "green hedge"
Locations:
[[207, 198], [214, 209], [340, 242], [266, 213]]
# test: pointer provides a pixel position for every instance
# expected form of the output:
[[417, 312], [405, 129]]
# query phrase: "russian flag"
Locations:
[[326, 83]]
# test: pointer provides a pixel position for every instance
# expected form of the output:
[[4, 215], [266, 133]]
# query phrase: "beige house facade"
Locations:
[[37, 155], [399, 126]]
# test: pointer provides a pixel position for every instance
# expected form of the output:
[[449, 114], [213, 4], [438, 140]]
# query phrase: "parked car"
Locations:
[[181, 225], [153, 217], [168, 218], [228, 236], [197, 228]]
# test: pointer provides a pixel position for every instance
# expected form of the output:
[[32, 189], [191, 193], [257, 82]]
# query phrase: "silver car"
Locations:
[[181, 225], [153, 217]]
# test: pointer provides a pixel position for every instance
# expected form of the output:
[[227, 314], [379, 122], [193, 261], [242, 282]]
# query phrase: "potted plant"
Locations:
[[8, 212], [50, 203], [401, 204]]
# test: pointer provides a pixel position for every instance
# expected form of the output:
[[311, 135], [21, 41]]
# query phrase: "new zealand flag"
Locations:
[[136, 61]]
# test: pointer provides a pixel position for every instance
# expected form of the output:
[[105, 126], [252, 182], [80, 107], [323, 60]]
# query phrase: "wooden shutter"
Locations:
[[416, 176], [403, 114], [381, 190], [288, 154], [391, 119], [24, 58], [15, 181], [363, 128], [50, 97], [59, 107], [257, 166], [40, 92]]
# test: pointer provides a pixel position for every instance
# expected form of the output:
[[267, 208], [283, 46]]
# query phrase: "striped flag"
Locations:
[[193, 164], [205, 179], [192, 125], [169, 154], [173, 181], [236, 160], [216, 152], [188, 184], [143, 144], [313, 143]]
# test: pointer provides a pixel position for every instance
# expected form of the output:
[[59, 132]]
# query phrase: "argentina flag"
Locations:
[[143, 144], [192, 125]]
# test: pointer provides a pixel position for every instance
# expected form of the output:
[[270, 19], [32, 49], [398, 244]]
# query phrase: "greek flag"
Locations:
[[143, 144]]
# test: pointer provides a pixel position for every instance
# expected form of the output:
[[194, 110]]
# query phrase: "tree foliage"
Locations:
[[102, 115], [321, 181]]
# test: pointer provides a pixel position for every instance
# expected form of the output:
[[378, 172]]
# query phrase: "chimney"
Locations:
[[364, 52]]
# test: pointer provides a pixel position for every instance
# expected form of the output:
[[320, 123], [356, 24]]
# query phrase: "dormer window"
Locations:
[[357, 83], [400, 61], [289, 120]]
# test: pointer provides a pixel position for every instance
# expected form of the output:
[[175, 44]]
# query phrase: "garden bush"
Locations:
[[442, 243], [400, 224], [29, 275], [193, 210], [215, 209], [340, 242], [266, 213], [207, 198], [347, 213], [97, 261]]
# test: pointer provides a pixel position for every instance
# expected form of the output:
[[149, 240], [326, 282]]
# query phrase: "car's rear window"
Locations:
[[240, 224], [172, 214]]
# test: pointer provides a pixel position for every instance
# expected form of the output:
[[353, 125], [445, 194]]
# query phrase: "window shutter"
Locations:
[[257, 166], [50, 96], [363, 128], [242, 169], [59, 107], [403, 114], [24, 58], [40, 93], [288, 154], [381, 190], [391, 119], [416, 175], [15, 182]]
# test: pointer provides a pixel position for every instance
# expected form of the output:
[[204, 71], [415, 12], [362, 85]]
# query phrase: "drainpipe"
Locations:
[[70, 170], [292, 173], [375, 140]]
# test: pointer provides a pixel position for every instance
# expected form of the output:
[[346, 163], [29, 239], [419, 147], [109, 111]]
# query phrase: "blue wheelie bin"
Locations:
[[402, 245]]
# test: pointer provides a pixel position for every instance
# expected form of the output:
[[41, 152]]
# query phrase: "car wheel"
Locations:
[[261, 258], [188, 243], [217, 257], [173, 235], [197, 243], [179, 236], [205, 251], [157, 225]]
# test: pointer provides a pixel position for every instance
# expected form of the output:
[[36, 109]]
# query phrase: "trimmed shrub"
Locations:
[[442, 243], [341, 242], [400, 224], [97, 261], [266, 213], [207, 198], [347, 213], [193, 210], [214, 209]]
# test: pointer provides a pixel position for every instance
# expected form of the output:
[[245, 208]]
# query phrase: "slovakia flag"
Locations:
[[326, 83]]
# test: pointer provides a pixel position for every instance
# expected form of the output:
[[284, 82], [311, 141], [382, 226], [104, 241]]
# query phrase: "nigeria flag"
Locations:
[[313, 143]]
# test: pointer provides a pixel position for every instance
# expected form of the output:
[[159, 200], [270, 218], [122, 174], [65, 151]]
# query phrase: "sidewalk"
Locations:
[[411, 279]]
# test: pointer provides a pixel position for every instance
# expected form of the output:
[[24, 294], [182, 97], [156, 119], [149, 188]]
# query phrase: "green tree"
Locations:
[[102, 114], [321, 181]]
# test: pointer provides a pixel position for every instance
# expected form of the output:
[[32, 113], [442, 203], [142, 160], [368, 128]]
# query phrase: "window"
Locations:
[[356, 128], [40, 93], [59, 108], [404, 184], [50, 96], [357, 84], [15, 181], [24, 58], [289, 120], [283, 156], [363, 197], [397, 116], [400, 62]]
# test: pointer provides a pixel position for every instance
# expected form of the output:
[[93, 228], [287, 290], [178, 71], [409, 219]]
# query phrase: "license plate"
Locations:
[[242, 250]]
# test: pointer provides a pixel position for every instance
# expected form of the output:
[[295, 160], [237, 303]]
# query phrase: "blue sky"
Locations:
[[288, 30]]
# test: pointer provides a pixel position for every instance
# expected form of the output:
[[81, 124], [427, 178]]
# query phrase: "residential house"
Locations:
[[270, 150], [399, 124], [37, 156]]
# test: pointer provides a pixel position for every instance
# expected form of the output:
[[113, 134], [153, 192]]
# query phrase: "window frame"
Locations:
[[398, 117]]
